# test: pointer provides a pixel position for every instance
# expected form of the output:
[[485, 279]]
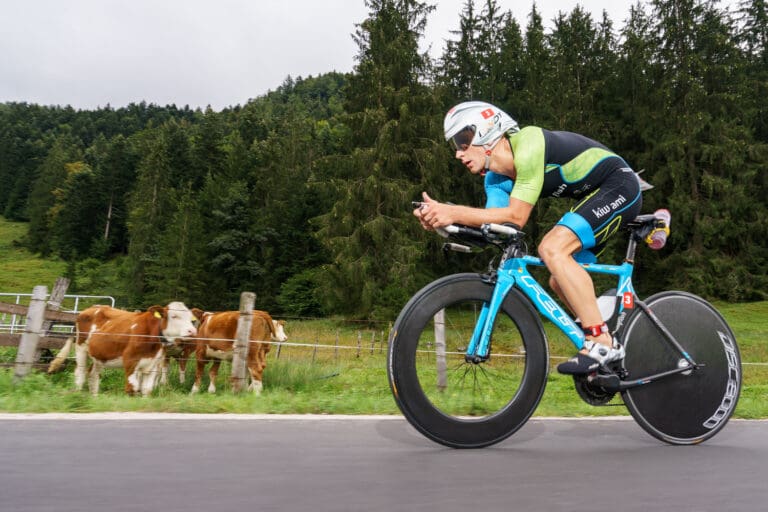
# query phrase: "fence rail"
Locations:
[[14, 307]]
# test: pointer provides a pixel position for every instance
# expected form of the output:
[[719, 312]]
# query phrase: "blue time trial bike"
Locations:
[[468, 355]]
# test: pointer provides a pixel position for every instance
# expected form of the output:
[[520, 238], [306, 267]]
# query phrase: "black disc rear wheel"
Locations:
[[689, 407]]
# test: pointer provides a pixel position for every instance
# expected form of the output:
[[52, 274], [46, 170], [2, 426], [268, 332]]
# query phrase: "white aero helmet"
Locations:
[[476, 123]]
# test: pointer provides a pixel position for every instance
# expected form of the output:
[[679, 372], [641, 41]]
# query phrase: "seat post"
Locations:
[[631, 247]]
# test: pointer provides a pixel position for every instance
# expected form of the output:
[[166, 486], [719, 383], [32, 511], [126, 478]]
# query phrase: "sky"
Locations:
[[218, 53]]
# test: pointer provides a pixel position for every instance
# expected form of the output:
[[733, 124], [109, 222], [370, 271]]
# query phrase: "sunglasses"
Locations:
[[463, 139]]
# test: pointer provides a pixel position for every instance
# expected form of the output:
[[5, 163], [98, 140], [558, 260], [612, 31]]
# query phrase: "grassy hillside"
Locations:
[[20, 270]]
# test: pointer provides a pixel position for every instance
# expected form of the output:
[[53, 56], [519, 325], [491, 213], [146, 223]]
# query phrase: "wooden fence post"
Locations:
[[242, 341], [25, 356], [442, 381], [279, 349], [54, 304], [359, 343], [336, 347]]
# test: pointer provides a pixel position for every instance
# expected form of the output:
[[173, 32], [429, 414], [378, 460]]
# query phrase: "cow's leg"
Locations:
[[81, 368], [132, 376], [212, 374], [95, 379], [199, 370], [164, 371], [149, 371], [256, 385], [182, 369], [257, 361], [186, 355]]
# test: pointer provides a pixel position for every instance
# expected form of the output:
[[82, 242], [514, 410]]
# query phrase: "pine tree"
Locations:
[[50, 175], [164, 162], [71, 216], [634, 87], [116, 167], [177, 272], [369, 232], [577, 74], [536, 100], [459, 68], [753, 35], [702, 166]]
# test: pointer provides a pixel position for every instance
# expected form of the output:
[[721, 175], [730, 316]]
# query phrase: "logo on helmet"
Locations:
[[487, 113]]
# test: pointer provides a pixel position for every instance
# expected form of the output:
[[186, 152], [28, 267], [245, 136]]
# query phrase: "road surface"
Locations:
[[168, 463]]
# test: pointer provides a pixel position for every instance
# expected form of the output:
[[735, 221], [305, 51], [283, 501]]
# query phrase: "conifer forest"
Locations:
[[302, 195]]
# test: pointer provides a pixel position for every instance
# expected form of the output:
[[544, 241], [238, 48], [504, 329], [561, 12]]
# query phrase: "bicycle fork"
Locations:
[[514, 273], [479, 346]]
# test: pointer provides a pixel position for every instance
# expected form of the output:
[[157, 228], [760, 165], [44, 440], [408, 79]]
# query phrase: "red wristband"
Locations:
[[596, 330]]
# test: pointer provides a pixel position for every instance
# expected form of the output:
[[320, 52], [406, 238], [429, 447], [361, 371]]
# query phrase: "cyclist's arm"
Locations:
[[497, 190], [438, 215]]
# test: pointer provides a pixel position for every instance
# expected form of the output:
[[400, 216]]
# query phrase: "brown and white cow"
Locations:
[[134, 340], [183, 349], [215, 344]]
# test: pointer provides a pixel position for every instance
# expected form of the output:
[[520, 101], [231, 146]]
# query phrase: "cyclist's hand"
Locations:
[[435, 214], [419, 213]]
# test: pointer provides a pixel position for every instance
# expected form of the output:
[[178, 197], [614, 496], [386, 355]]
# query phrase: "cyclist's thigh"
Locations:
[[605, 211]]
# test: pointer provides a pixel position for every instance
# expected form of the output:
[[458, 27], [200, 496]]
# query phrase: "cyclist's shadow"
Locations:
[[403, 433], [537, 430]]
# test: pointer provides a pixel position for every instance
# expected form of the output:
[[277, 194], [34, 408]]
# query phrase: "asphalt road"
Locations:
[[189, 463]]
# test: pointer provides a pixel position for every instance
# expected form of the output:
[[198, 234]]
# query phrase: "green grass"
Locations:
[[321, 377], [20, 270]]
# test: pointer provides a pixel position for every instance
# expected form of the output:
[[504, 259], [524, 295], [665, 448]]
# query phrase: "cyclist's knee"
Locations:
[[558, 243]]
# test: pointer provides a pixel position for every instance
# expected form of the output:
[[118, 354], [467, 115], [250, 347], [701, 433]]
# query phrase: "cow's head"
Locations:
[[279, 334], [177, 321]]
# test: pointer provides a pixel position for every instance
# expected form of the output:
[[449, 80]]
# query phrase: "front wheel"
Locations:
[[689, 407], [458, 403]]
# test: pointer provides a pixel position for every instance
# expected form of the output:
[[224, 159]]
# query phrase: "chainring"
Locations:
[[591, 393]]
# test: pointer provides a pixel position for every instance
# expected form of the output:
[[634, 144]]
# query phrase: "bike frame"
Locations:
[[514, 273]]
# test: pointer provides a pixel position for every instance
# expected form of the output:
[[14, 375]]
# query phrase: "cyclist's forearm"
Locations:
[[479, 216]]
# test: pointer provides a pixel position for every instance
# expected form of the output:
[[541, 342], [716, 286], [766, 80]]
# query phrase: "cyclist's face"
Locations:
[[473, 158]]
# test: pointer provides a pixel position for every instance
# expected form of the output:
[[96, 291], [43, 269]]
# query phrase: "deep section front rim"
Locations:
[[458, 403]]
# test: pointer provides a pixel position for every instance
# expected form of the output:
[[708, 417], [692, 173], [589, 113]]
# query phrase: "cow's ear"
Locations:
[[197, 314], [157, 311]]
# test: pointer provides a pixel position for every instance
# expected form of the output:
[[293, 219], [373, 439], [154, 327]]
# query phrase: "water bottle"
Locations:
[[657, 238]]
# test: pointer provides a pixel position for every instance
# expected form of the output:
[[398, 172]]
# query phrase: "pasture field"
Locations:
[[20, 270], [334, 367]]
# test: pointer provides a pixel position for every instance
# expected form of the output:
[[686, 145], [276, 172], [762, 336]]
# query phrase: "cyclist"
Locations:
[[519, 167]]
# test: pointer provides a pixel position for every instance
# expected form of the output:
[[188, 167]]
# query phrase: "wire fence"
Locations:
[[322, 343], [329, 345]]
